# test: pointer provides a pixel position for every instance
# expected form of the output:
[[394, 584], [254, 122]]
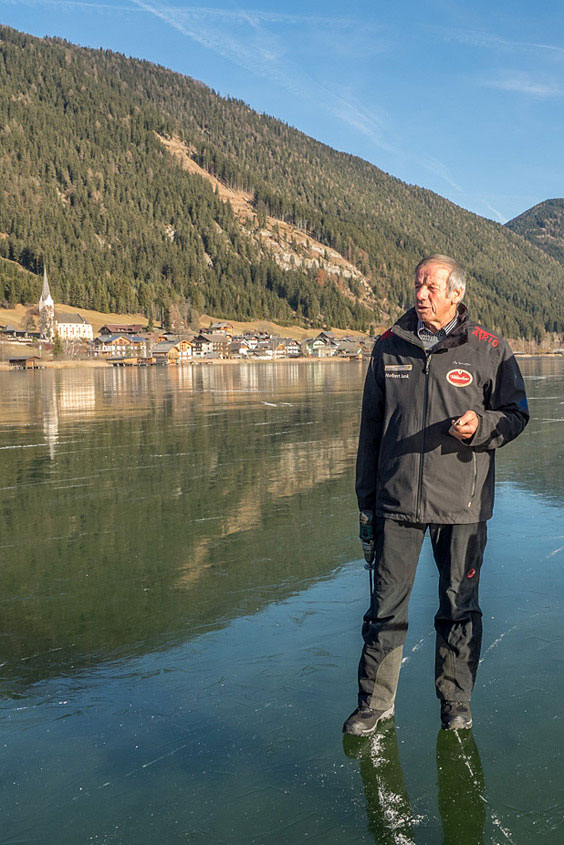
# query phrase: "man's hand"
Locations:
[[367, 535], [465, 426]]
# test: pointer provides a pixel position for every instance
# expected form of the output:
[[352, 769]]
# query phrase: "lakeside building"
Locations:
[[23, 362], [72, 327], [238, 349], [170, 352], [53, 323], [316, 348], [350, 349], [122, 328], [221, 327], [118, 345], [206, 345], [132, 341], [16, 335], [292, 347]]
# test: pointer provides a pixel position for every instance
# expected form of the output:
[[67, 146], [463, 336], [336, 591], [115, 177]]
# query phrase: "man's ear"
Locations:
[[456, 297]]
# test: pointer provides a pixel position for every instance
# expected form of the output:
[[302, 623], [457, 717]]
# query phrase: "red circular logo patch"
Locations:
[[459, 378]]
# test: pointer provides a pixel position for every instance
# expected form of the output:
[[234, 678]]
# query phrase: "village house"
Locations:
[[22, 362], [316, 348], [123, 328], [72, 327], [186, 348], [278, 348], [273, 348], [330, 340], [220, 343], [210, 346], [203, 346], [166, 353], [349, 349], [118, 345], [221, 327], [238, 349], [250, 339], [169, 352], [292, 347], [16, 335]]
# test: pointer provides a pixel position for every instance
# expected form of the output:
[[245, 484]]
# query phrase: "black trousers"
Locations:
[[458, 552]]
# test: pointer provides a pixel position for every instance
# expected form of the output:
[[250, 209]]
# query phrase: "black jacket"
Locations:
[[409, 467]]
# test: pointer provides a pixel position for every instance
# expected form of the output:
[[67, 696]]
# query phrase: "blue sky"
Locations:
[[463, 98]]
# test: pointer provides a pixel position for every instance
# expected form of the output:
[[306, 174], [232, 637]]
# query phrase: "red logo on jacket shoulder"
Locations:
[[459, 378], [488, 337]]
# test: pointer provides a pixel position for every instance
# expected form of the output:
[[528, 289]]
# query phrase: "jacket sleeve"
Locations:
[[371, 424], [506, 412]]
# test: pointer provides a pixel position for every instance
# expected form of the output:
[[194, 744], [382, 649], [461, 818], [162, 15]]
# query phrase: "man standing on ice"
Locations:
[[442, 393]]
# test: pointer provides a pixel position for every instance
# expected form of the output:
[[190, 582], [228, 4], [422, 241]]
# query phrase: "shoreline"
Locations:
[[214, 362]]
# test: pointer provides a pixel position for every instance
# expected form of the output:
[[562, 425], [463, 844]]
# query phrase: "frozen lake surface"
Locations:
[[181, 595]]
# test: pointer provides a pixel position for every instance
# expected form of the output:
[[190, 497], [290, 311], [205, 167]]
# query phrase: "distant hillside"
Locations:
[[543, 225], [142, 189]]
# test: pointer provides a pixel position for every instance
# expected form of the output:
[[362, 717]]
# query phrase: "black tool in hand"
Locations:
[[366, 535]]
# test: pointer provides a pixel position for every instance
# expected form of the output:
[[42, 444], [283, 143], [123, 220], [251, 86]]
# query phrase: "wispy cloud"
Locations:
[[439, 169], [278, 46], [260, 52], [61, 4], [250, 15], [477, 38], [524, 83], [227, 15], [501, 218]]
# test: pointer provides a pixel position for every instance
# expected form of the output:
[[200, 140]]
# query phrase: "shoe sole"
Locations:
[[387, 714]]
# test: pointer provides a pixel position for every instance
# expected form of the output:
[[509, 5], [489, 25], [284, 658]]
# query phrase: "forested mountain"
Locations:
[[543, 225], [140, 187]]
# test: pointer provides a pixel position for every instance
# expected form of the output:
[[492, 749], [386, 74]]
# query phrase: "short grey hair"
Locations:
[[457, 276]]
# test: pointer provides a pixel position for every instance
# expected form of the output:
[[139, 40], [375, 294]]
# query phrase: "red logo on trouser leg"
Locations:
[[471, 573]]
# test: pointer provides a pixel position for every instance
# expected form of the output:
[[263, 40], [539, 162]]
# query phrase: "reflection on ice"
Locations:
[[390, 820], [181, 598], [462, 799]]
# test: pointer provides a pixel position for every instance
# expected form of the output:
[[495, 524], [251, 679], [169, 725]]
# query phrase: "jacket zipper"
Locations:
[[422, 454], [474, 478]]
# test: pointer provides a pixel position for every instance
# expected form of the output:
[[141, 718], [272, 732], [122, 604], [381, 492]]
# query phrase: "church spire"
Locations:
[[47, 325], [45, 293]]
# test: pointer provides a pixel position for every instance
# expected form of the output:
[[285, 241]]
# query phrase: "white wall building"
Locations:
[[72, 327]]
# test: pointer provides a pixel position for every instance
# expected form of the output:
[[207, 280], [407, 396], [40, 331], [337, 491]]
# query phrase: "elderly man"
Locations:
[[441, 395]]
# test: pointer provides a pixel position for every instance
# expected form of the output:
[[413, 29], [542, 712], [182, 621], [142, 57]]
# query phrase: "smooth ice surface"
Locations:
[[181, 597]]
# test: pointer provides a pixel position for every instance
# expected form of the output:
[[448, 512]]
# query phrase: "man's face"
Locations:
[[434, 306]]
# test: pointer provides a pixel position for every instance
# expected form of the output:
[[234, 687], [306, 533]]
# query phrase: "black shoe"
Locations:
[[455, 715], [364, 721]]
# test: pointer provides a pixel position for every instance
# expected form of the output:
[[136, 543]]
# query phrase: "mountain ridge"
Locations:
[[93, 190], [543, 226]]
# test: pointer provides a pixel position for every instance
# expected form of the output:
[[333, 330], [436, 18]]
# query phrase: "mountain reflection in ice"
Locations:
[[181, 597]]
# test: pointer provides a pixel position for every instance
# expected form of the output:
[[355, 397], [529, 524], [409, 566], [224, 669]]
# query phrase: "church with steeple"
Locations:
[[47, 327], [66, 325]]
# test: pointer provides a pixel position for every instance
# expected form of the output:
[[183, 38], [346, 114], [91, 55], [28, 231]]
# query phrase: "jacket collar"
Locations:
[[406, 327]]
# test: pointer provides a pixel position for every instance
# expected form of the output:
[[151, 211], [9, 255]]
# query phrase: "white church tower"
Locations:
[[46, 311]]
